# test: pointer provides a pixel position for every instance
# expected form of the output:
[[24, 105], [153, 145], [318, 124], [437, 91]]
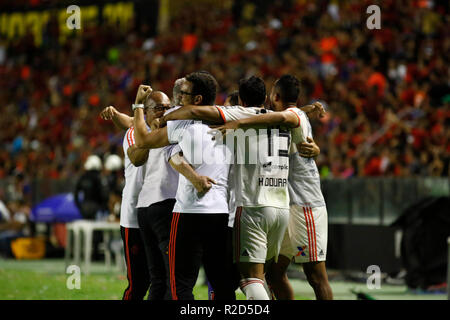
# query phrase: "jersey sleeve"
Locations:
[[300, 132], [236, 112], [297, 113], [175, 129], [170, 151], [128, 139]]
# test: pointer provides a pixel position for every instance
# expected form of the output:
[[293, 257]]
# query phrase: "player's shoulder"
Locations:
[[296, 110], [256, 110], [302, 114]]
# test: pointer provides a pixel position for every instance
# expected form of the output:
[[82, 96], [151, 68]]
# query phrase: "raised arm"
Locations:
[[286, 118], [144, 139], [120, 120], [205, 113]]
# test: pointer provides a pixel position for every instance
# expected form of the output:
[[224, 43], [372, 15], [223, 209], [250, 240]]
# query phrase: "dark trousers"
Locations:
[[197, 239], [137, 269], [154, 223], [235, 275]]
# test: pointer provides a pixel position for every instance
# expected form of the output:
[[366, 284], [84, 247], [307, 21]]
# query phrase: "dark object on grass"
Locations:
[[426, 227], [361, 295]]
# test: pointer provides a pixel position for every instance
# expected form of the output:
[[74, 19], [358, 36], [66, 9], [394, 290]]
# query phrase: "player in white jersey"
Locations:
[[154, 201], [199, 224], [261, 187], [306, 239], [136, 261]]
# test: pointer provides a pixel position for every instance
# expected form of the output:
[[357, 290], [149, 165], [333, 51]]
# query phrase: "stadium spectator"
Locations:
[[391, 83], [14, 223]]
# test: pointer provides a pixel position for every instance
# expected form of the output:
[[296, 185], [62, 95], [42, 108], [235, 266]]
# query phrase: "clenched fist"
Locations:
[[142, 94]]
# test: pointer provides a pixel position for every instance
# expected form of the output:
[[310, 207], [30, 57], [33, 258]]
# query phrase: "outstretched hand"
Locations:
[[108, 113], [315, 110]]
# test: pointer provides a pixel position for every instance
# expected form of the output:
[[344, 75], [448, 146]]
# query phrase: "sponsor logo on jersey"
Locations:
[[266, 165], [245, 253], [301, 251], [269, 166]]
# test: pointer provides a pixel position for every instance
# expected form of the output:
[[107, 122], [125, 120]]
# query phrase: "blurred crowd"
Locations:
[[387, 91]]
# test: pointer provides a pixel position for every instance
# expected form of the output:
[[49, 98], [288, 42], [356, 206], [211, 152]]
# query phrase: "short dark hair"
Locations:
[[252, 91], [204, 84], [288, 87], [234, 98]]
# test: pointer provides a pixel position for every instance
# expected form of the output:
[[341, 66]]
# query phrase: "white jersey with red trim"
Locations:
[[134, 179], [304, 178], [160, 181], [261, 161]]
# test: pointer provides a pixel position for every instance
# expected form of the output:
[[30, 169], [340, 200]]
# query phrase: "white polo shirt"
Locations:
[[208, 158], [160, 181]]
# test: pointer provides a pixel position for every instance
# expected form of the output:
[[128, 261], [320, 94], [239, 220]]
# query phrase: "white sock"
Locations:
[[254, 289]]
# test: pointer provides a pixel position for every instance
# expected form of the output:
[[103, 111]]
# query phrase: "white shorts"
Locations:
[[305, 239], [258, 233]]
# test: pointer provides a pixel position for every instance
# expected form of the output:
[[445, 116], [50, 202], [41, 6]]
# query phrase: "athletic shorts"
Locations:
[[305, 239], [258, 233]]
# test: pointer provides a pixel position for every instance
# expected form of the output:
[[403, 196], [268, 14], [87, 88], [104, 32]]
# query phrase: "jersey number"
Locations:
[[282, 134]]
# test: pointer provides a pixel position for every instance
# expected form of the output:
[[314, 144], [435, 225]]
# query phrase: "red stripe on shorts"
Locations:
[[314, 233], [307, 230]]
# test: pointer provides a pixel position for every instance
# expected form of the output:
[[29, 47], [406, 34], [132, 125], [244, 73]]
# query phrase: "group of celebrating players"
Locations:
[[243, 216]]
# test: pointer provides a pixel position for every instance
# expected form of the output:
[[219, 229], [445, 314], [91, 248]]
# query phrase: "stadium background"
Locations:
[[384, 143]]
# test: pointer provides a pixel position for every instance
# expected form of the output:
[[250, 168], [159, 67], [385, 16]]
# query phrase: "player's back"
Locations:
[[262, 178], [304, 178], [261, 161]]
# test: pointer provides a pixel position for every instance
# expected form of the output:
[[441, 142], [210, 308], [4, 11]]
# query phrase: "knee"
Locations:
[[316, 279], [276, 277]]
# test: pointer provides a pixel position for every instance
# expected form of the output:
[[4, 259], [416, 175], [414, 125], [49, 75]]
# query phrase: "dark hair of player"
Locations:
[[204, 84], [252, 91], [288, 87], [234, 98]]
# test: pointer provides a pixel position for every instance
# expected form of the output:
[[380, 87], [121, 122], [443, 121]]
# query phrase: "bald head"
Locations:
[[155, 105], [157, 98]]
